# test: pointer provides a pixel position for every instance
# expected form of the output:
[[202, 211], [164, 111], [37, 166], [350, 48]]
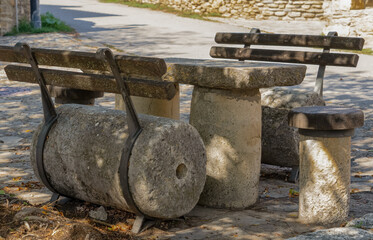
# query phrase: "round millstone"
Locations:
[[82, 154]]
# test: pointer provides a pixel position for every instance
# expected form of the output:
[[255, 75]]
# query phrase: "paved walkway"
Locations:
[[145, 32]]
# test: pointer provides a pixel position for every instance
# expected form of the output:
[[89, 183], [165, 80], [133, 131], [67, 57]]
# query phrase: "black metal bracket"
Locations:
[[294, 174], [253, 30], [319, 85], [142, 221], [50, 114]]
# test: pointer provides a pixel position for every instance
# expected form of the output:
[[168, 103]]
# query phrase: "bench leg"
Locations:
[[294, 174], [229, 123], [142, 224], [152, 106], [324, 179]]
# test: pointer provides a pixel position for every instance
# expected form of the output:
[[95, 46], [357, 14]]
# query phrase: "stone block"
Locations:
[[298, 3], [294, 14], [324, 179], [268, 13], [232, 145], [280, 14], [232, 74], [272, 5], [308, 15], [152, 106], [274, 18], [317, 6], [280, 143], [306, 6], [223, 9]]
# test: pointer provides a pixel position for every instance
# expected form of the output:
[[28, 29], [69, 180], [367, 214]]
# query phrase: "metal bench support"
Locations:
[[142, 221], [50, 116], [319, 85]]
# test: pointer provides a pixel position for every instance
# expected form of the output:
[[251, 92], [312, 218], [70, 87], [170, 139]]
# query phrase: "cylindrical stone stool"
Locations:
[[229, 122], [325, 142], [82, 155], [152, 106], [65, 95]]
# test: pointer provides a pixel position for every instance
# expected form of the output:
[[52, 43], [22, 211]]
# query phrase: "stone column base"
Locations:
[[152, 106], [324, 179], [229, 122]]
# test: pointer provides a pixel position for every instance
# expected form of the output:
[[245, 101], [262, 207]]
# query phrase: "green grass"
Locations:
[[367, 51], [49, 24], [164, 8]]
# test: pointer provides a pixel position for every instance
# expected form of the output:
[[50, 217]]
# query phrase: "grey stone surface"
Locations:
[[280, 97], [82, 154], [26, 212], [280, 143], [232, 74], [365, 222], [336, 234], [99, 214]]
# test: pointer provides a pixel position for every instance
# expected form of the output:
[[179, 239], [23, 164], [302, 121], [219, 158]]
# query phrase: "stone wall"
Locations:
[[8, 13], [349, 22], [251, 9]]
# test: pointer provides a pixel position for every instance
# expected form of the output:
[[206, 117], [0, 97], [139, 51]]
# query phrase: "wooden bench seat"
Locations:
[[79, 77]]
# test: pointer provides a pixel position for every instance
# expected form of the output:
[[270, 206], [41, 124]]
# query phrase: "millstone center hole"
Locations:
[[181, 171]]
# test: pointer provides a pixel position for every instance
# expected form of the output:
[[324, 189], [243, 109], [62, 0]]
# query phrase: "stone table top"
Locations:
[[229, 74]]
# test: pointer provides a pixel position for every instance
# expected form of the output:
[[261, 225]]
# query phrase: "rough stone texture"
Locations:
[[152, 106], [232, 74], [280, 143], [365, 222], [82, 155], [336, 234], [347, 21], [8, 14], [324, 179], [99, 214], [229, 123], [248, 9]]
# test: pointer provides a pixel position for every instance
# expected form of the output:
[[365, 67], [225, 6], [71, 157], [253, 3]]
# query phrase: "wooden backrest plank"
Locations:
[[93, 82], [318, 58], [149, 68], [348, 43]]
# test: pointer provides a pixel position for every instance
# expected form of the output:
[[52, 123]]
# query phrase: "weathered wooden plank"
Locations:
[[318, 58], [350, 43], [151, 68], [93, 82]]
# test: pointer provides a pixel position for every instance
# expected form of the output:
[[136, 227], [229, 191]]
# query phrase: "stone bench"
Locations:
[[279, 142], [154, 167], [325, 154], [226, 111]]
